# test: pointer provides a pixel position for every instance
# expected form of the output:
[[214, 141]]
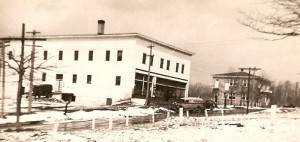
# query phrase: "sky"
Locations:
[[209, 28]]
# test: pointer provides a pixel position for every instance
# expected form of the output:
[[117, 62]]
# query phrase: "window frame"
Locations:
[[44, 75], [119, 55], [89, 79], [76, 55], [74, 78], [118, 81], [91, 55], [107, 55], [60, 55], [45, 53]]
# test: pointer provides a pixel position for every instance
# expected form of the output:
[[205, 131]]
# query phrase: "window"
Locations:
[[74, 79], [59, 76], [233, 96], [119, 56], [10, 55], [89, 79], [232, 82], [151, 60], [161, 63], [168, 64], [60, 55], [177, 67], [182, 68], [118, 80], [245, 83], [76, 55], [44, 76], [244, 97], [91, 55], [45, 55], [144, 58], [107, 56]]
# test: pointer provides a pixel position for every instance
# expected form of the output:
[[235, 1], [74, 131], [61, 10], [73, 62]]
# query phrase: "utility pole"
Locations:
[[31, 69], [248, 92], [3, 76], [147, 102]]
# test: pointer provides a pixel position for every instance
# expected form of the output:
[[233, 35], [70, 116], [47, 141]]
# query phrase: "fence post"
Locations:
[[181, 112], [187, 113], [168, 114], [93, 124], [127, 119], [110, 123], [55, 128], [153, 118], [222, 112], [206, 114], [273, 113]]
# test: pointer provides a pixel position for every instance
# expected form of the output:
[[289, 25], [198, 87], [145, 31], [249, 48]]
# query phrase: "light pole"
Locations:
[[147, 102], [3, 45]]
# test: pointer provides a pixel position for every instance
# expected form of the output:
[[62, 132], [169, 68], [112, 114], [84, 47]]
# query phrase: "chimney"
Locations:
[[101, 24]]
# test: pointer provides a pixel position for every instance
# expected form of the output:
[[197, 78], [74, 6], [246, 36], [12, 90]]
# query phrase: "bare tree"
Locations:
[[200, 90], [280, 18]]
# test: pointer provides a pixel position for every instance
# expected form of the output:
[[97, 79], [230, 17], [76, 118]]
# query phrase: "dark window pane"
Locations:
[[168, 64], [144, 58], [60, 56], [91, 55], [118, 80], [44, 77], [107, 57], [59, 76], [177, 67], [45, 55], [74, 79], [89, 79], [119, 58], [76, 55], [182, 68], [161, 63]]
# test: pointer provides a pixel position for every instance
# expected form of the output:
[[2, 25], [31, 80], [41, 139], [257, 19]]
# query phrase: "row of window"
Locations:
[[74, 78], [162, 61], [90, 55]]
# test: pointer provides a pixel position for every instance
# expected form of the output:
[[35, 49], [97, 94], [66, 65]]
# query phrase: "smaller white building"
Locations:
[[100, 68]]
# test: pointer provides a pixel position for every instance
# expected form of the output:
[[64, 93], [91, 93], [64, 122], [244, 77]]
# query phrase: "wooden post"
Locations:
[[168, 114], [180, 112], [206, 114], [127, 119], [55, 128], [153, 118], [187, 113], [222, 112], [110, 123], [93, 124]]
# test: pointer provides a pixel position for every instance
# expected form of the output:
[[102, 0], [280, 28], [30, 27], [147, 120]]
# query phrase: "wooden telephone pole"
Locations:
[[248, 92], [147, 102], [31, 70]]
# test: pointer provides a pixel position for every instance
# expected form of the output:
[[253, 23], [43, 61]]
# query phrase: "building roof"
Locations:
[[231, 74], [239, 75], [119, 35]]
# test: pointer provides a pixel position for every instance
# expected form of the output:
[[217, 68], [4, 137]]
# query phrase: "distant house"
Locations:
[[105, 68], [232, 88]]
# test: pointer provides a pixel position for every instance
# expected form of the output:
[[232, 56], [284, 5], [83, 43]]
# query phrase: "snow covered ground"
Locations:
[[259, 126]]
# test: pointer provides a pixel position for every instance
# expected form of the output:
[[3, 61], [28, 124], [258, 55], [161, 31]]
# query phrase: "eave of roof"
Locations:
[[119, 35]]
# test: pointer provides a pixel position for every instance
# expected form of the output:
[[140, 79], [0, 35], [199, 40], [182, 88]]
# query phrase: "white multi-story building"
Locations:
[[102, 67]]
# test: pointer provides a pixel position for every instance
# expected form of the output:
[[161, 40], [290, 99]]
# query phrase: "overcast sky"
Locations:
[[207, 27]]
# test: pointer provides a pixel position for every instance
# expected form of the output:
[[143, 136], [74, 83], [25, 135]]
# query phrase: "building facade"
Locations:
[[102, 67], [232, 89]]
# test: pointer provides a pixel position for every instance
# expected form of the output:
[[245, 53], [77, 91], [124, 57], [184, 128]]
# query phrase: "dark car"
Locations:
[[189, 103], [288, 105], [210, 104]]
